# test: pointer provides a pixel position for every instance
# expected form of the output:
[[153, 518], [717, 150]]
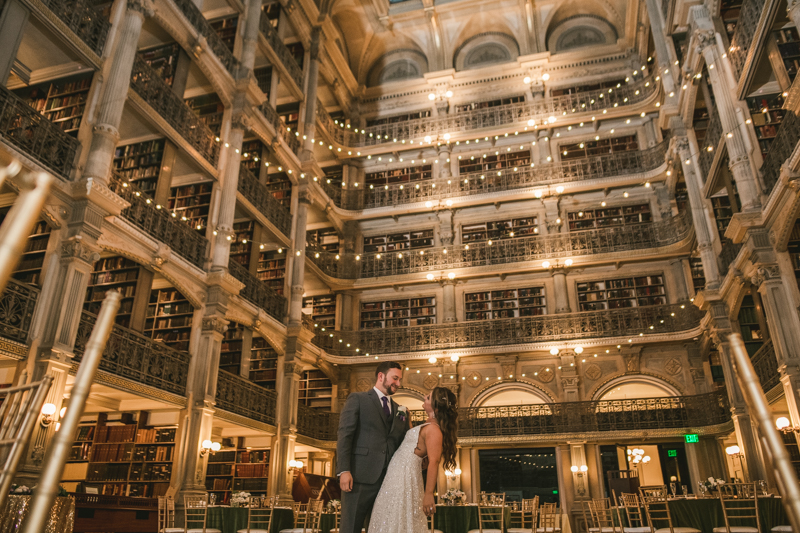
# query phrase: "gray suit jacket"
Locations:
[[366, 439]]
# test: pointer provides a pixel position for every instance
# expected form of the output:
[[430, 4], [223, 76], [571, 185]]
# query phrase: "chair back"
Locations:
[[548, 518], [603, 514], [162, 512], [654, 499], [431, 526], [633, 510], [587, 516], [195, 512], [491, 512], [259, 518], [740, 505], [530, 509]]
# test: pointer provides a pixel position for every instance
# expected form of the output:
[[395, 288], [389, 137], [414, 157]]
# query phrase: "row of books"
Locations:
[[147, 490], [131, 162], [167, 323], [218, 484], [150, 472], [219, 469], [114, 276], [124, 433], [140, 148], [106, 453], [153, 453], [68, 112], [251, 470], [254, 456], [27, 264], [36, 245], [107, 472], [170, 309]]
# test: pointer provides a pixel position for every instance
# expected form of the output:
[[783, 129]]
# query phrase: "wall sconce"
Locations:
[[48, 410], [295, 467], [209, 447], [579, 472], [454, 474], [783, 424]]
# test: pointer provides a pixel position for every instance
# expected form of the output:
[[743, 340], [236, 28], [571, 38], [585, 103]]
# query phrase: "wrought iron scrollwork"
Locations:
[[203, 27], [260, 196], [17, 303], [316, 424], [280, 50], [84, 20], [258, 293], [242, 397], [766, 366], [780, 150]]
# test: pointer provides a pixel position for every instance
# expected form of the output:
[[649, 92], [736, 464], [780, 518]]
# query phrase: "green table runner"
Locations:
[[232, 519], [461, 518]]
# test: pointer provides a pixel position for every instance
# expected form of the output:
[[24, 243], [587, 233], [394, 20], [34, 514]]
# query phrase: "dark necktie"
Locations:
[[386, 409]]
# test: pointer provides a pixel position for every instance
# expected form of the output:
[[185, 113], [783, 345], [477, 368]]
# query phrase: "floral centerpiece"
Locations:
[[240, 499], [21, 490], [712, 483], [334, 506], [453, 497]]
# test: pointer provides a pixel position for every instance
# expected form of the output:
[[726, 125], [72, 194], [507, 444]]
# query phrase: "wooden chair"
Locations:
[[259, 520], [524, 520], [739, 504], [431, 527], [307, 519], [491, 514], [603, 515], [549, 519], [591, 527], [196, 512], [656, 507], [166, 515], [633, 511]]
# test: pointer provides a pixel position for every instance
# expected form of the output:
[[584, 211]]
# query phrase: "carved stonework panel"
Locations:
[[546, 376], [593, 372], [632, 363], [363, 385], [508, 371], [430, 382], [673, 366], [474, 379]]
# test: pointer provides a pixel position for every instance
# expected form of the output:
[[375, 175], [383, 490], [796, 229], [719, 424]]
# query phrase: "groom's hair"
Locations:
[[385, 366]]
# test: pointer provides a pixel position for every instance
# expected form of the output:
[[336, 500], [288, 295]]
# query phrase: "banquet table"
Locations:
[[232, 519], [706, 513], [461, 518]]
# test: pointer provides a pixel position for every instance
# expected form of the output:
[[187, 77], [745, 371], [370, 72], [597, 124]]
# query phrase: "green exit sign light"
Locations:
[[692, 437], [672, 453], [555, 492]]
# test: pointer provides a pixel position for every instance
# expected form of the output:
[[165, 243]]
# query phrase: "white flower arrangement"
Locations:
[[712, 483], [240, 499], [453, 496], [334, 506]]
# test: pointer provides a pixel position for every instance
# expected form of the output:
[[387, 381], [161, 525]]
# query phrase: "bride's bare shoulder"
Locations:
[[432, 430]]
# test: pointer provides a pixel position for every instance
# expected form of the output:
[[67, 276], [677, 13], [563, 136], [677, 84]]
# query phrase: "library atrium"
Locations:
[[559, 210]]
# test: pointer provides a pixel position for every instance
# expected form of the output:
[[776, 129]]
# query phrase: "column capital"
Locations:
[[145, 7], [75, 248], [705, 38], [313, 50], [213, 324], [765, 273], [791, 5]]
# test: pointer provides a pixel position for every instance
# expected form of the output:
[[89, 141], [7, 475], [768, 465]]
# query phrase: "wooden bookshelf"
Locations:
[[242, 243], [113, 274], [263, 77], [767, 113], [169, 318], [426, 113], [210, 109], [499, 229], [322, 310], [681, 196], [272, 270], [412, 240], [749, 325], [316, 390], [462, 108], [399, 175], [729, 11], [263, 363], [29, 268], [398, 313], [627, 143], [507, 303], [140, 163], [698, 274], [289, 114], [239, 469], [640, 291], [226, 29], [163, 59], [191, 204], [603, 85], [254, 155], [700, 122], [788, 42], [273, 13], [326, 239], [298, 53], [62, 101], [334, 175], [723, 213], [230, 355], [794, 250], [790, 441], [607, 217], [492, 162]]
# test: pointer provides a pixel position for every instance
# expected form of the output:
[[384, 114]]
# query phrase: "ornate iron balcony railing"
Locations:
[[157, 223], [258, 293], [260, 196], [280, 128], [316, 424], [133, 356], [280, 50], [728, 255], [242, 397], [713, 135], [28, 130], [84, 20], [17, 303], [766, 366], [630, 322], [158, 95], [203, 27], [780, 150], [742, 40], [591, 168], [519, 113], [504, 251]]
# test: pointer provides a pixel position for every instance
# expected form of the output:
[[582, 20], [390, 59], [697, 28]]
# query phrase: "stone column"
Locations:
[[700, 219], [252, 20], [544, 147], [105, 133], [663, 58], [650, 130], [681, 292], [312, 79], [13, 19], [562, 294], [449, 303], [299, 259], [443, 151], [723, 85], [793, 11], [288, 386], [223, 231]]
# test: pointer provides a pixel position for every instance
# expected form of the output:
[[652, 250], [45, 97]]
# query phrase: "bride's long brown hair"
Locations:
[[445, 406]]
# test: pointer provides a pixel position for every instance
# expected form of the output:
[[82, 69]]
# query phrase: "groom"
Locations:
[[371, 428]]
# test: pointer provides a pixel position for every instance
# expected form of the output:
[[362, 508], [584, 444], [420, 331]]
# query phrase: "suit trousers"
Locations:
[[357, 505]]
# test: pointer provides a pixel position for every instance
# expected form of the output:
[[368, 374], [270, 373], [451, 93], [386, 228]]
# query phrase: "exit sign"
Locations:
[[672, 453], [692, 437]]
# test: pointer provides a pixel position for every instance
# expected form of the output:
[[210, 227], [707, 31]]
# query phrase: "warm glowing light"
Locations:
[[553, 351]]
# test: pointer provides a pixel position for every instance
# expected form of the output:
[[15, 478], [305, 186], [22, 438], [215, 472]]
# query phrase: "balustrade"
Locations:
[[203, 27], [142, 213], [766, 366], [590, 168], [504, 251], [316, 424], [17, 303], [83, 20], [133, 356], [712, 137], [237, 395], [280, 128], [492, 117], [780, 150], [280, 50], [258, 293], [151, 88], [742, 40], [630, 322], [29, 131], [260, 196]]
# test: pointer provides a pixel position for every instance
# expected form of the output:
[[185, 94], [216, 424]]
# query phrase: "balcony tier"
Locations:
[[86, 22], [285, 61], [259, 293], [261, 198], [17, 303], [203, 27], [317, 424], [241, 397]]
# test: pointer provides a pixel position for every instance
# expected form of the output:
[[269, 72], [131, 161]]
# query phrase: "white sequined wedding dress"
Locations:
[[398, 507]]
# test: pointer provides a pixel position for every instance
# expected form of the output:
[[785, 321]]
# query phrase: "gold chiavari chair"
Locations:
[[633, 511], [259, 518], [603, 515], [196, 512], [431, 526], [656, 507], [740, 508], [548, 519], [591, 527], [166, 515], [307, 519], [491, 514], [524, 520]]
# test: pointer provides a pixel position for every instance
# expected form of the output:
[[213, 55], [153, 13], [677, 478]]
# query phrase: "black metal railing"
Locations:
[[259, 293], [203, 27], [591, 168], [280, 50], [766, 366], [262, 199], [727, 255], [133, 356], [316, 424], [632, 322], [159, 224], [151, 88], [713, 135], [242, 397], [29, 131], [83, 20], [504, 251], [17, 303], [780, 150], [281, 130], [742, 40]]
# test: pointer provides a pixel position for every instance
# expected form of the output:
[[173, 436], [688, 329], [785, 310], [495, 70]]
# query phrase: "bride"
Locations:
[[402, 503]]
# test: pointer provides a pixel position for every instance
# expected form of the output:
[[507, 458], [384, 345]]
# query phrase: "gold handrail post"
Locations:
[[61, 444]]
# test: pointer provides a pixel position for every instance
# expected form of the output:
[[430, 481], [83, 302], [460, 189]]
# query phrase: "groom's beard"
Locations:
[[390, 388]]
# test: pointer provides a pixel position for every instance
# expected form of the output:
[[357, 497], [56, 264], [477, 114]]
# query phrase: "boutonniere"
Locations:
[[401, 412]]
